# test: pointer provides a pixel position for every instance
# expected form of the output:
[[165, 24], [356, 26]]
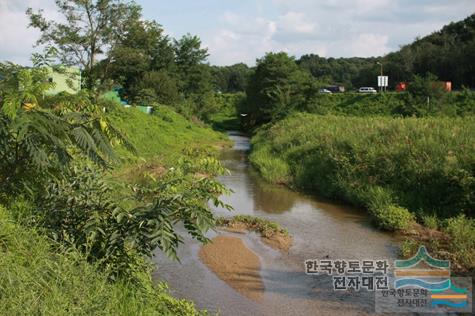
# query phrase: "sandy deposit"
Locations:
[[234, 263]]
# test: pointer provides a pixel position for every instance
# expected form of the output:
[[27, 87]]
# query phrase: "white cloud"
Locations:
[[295, 23], [366, 44], [337, 28], [16, 39]]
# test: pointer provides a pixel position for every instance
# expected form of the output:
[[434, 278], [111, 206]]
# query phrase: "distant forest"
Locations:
[[448, 54]]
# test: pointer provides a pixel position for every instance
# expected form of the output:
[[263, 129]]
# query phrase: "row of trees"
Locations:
[[448, 54], [278, 87], [111, 41]]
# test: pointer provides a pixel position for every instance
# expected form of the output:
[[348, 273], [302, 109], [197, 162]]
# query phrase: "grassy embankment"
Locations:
[[160, 139], [37, 277], [401, 170], [163, 135]]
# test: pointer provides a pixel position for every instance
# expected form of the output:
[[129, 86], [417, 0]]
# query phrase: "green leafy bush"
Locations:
[[430, 221], [462, 233], [392, 217], [39, 136], [83, 211]]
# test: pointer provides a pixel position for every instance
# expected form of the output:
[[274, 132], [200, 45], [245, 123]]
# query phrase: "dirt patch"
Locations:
[[234, 263], [140, 172]]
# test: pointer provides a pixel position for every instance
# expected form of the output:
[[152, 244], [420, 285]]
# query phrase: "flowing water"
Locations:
[[320, 229]]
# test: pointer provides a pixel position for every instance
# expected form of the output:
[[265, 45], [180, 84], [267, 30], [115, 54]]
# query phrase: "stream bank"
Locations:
[[320, 230]]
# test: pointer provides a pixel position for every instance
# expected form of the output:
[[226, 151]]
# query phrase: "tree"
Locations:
[[188, 51], [277, 87], [190, 58], [82, 210], [424, 97], [142, 55], [91, 28], [159, 86], [231, 78]]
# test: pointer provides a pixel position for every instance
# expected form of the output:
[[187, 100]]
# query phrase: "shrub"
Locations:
[[385, 213], [430, 221], [83, 212], [39, 136], [409, 247], [462, 232], [392, 217]]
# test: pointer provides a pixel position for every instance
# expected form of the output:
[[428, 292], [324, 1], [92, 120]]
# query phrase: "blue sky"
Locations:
[[241, 31]]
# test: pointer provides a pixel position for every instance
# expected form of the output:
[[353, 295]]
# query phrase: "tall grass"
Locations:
[[37, 278], [426, 165]]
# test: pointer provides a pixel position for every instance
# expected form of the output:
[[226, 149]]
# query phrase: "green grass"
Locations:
[[165, 134], [37, 278], [161, 140], [424, 165], [398, 169], [226, 117], [225, 121]]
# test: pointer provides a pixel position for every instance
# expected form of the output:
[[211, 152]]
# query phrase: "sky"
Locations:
[[243, 30]]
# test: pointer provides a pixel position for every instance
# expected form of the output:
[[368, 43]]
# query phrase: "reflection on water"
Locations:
[[271, 198], [321, 229]]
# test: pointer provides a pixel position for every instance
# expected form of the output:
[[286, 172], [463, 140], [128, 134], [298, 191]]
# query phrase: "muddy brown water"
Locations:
[[320, 229]]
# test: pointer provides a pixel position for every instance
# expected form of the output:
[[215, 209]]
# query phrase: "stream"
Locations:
[[320, 229]]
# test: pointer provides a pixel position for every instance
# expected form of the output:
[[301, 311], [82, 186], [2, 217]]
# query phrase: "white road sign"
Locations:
[[383, 81]]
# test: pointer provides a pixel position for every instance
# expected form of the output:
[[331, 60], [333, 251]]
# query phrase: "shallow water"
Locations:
[[320, 229]]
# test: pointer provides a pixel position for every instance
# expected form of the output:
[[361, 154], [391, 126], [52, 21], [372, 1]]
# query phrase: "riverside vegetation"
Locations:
[[401, 170], [88, 189], [74, 236], [407, 158]]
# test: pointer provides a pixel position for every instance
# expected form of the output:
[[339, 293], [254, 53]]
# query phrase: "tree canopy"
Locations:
[[90, 29]]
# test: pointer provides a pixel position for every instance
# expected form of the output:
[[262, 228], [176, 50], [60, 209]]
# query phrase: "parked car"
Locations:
[[367, 90], [325, 91], [335, 89]]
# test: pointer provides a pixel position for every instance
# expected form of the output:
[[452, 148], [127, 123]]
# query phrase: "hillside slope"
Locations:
[[164, 135]]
